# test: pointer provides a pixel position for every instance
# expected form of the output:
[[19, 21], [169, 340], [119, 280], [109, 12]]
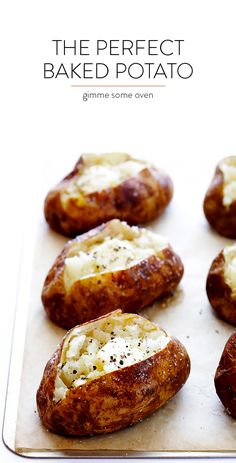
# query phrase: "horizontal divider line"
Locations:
[[113, 86]]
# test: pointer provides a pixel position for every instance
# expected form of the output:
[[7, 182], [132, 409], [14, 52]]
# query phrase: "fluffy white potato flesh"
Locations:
[[103, 171], [230, 267], [228, 168], [118, 247], [105, 345]]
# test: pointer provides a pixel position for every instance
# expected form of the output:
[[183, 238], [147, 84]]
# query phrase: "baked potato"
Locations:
[[110, 373], [114, 265], [225, 377], [103, 187], [220, 200], [221, 284]]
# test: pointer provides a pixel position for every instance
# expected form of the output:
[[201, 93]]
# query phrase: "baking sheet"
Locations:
[[194, 420]]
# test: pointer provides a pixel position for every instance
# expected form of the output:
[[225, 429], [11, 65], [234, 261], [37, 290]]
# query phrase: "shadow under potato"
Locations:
[[170, 299]]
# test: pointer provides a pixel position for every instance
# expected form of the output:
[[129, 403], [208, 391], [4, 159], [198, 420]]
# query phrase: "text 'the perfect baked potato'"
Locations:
[[225, 377], [220, 200], [114, 265], [106, 186], [221, 284], [109, 374]]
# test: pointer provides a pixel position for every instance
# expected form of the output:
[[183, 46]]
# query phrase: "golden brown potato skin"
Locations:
[[219, 293], [130, 290], [225, 377], [137, 200], [220, 217], [116, 400]]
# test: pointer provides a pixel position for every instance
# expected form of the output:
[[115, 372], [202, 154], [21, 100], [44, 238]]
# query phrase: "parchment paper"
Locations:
[[194, 420]]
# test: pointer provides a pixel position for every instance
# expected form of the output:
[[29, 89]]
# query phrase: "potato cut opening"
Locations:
[[108, 344], [103, 171], [117, 247], [228, 168], [230, 267]]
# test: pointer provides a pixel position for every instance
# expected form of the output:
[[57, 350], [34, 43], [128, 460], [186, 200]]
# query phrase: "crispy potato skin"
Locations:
[[225, 377], [219, 293], [137, 200], [116, 400], [220, 217], [129, 290]]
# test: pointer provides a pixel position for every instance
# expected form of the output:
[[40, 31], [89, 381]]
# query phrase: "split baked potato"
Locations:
[[225, 377], [107, 186], [220, 200], [221, 284], [114, 265], [109, 374]]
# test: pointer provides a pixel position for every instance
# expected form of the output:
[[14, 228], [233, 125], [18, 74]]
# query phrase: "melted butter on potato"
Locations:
[[230, 267], [228, 168], [105, 345], [123, 248], [103, 171]]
